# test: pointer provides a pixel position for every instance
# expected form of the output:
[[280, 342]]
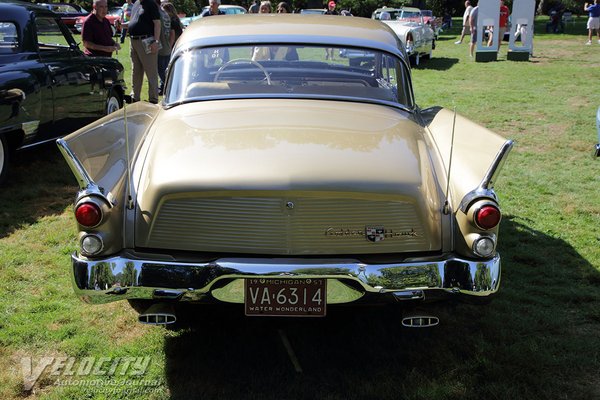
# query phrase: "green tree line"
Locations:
[[361, 8]]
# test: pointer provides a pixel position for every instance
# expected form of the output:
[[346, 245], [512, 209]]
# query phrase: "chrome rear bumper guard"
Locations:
[[128, 277]]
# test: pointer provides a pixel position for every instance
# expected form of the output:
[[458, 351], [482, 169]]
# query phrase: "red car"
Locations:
[[69, 13], [113, 16], [434, 22]]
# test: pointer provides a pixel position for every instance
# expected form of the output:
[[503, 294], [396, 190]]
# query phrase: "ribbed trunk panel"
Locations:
[[268, 225]]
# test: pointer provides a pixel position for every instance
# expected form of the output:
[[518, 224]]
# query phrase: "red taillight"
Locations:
[[487, 217], [88, 214]]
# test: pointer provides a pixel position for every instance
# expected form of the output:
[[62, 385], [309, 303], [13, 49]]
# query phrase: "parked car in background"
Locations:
[[417, 37], [228, 9], [313, 11], [69, 13], [113, 16], [342, 195], [434, 22], [48, 88]]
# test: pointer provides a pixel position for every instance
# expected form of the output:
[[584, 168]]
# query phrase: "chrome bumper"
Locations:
[[131, 277]]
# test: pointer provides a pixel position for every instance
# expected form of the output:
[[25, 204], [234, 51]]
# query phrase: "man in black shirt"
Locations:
[[144, 31]]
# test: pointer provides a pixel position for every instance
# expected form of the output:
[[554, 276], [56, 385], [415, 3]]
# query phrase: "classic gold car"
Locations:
[[278, 178]]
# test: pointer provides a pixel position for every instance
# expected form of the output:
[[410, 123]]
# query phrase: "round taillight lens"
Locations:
[[88, 214], [484, 247], [487, 217], [91, 245]]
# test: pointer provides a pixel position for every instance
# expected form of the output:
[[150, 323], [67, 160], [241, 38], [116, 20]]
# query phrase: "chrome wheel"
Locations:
[[113, 103]]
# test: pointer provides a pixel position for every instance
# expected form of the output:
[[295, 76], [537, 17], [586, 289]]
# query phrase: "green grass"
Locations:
[[537, 340]]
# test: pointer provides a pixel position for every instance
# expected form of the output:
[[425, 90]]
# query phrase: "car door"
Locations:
[[77, 95]]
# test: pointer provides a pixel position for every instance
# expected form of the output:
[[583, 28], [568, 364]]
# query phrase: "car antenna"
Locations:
[[128, 184], [446, 203]]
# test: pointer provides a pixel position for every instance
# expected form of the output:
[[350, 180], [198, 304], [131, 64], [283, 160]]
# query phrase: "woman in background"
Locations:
[[283, 8]]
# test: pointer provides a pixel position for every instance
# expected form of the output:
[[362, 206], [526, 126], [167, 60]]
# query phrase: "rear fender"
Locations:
[[477, 154]]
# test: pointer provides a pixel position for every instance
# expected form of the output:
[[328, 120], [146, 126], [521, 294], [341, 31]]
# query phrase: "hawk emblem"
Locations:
[[375, 233]]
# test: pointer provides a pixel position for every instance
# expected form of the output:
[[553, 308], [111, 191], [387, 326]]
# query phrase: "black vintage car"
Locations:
[[48, 87]]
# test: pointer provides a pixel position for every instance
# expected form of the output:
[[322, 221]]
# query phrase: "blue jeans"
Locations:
[[123, 34], [163, 62]]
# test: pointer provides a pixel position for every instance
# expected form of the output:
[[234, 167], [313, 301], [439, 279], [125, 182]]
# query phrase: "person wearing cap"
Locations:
[[330, 11]]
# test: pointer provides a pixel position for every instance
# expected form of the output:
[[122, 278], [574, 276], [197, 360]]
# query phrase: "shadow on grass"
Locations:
[[39, 183], [525, 344], [437, 63]]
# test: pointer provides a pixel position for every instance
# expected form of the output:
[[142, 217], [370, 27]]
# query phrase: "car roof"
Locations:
[[289, 28], [413, 9]]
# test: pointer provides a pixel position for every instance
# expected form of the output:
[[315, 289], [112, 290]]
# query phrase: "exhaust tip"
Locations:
[[158, 314], [157, 318], [420, 321]]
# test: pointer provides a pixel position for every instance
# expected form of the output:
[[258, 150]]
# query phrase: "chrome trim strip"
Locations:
[[83, 178], [86, 184], [490, 177], [128, 277], [486, 187]]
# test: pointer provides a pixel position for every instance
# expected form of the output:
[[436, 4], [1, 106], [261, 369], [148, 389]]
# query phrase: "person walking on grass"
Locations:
[[593, 20], [144, 32], [473, 28], [503, 23], [466, 17]]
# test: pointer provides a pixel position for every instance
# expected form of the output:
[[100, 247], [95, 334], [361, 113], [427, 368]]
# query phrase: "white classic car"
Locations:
[[286, 182], [226, 8], [408, 23]]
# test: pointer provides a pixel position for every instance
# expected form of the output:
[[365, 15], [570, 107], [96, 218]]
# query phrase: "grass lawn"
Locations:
[[537, 340]]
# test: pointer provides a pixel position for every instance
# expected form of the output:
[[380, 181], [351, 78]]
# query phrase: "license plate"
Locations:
[[285, 297]]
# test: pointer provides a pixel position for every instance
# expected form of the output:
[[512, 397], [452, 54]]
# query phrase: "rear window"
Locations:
[[289, 71], [9, 39]]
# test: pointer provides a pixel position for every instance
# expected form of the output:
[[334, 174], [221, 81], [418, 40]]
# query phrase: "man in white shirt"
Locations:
[[465, 26]]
